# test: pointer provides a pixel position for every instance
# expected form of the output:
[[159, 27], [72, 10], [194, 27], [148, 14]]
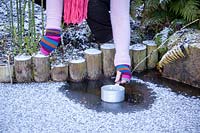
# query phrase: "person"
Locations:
[[107, 19]]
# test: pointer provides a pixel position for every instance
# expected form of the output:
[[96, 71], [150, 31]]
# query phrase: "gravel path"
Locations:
[[41, 107]]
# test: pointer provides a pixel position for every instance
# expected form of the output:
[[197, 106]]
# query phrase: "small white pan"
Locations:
[[112, 93]]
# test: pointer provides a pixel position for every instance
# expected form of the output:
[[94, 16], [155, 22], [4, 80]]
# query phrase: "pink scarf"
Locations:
[[75, 11]]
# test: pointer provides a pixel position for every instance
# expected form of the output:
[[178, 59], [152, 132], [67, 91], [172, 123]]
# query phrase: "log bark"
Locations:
[[94, 63], [153, 59], [108, 54], [23, 68], [139, 53], [5, 73], [131, 53], [77, 70], [185, 70], [59, 72], [41, 68]]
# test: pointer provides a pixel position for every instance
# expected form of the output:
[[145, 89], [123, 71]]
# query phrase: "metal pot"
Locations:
[[112, 93]]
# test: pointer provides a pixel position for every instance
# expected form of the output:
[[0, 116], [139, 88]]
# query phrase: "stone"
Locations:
[[185, 70]]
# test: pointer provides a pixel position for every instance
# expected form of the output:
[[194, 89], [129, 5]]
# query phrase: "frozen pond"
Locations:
[[156, 105]]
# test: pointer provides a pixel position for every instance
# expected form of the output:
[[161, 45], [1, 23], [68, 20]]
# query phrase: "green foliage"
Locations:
[[133, 7], [165, 11], [24, 42], [161, 38], [188, 9]]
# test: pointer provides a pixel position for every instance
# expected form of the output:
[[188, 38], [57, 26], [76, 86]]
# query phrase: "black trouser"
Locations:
[[98, 19]]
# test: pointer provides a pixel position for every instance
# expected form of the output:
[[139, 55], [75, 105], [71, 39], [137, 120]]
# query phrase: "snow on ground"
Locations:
[[41, 107]]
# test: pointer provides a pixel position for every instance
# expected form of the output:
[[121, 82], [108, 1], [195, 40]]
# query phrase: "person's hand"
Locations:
[[123, 74], [50, 41]]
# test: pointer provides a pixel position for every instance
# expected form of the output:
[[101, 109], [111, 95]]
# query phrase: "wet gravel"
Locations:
[[42, 107]]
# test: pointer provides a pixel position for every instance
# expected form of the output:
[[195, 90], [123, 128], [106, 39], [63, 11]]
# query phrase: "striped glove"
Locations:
[[123, 73], [50, 41]]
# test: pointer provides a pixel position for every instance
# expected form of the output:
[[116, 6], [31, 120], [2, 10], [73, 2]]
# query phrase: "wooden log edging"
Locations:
[[23, 69], [59, 72], [138, 54], [41, 68], [77, 70], [108, 53], [94, 63], [5, 72], [153, 59]]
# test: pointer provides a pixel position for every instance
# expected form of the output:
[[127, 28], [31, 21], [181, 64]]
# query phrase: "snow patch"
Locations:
[[59, 65], [40, 55], [92, 51], [138, 47], [22, 57], [108, 46], [149, 42], [164, 34], [81, 60]]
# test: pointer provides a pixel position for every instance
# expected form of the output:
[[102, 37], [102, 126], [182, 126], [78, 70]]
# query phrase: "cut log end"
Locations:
[[92, 51], [108, 46]]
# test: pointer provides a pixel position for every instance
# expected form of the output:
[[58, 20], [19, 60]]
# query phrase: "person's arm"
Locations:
[[120, 20], [49, 42]]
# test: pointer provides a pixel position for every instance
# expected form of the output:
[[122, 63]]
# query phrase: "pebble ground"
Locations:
[[42, 108]]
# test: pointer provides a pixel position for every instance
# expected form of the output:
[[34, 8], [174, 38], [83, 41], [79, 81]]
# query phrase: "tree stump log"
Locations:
[[153, 59], [139, 53], [59, 72], [108, 54], [41, 68], [94, 63], [23, 68], [6, 73], [77, 70]]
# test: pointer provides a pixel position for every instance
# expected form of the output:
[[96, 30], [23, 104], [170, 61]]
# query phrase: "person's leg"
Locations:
[[121, 35], [121, 30], [99, 20], [54, 13], [53, 26]]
